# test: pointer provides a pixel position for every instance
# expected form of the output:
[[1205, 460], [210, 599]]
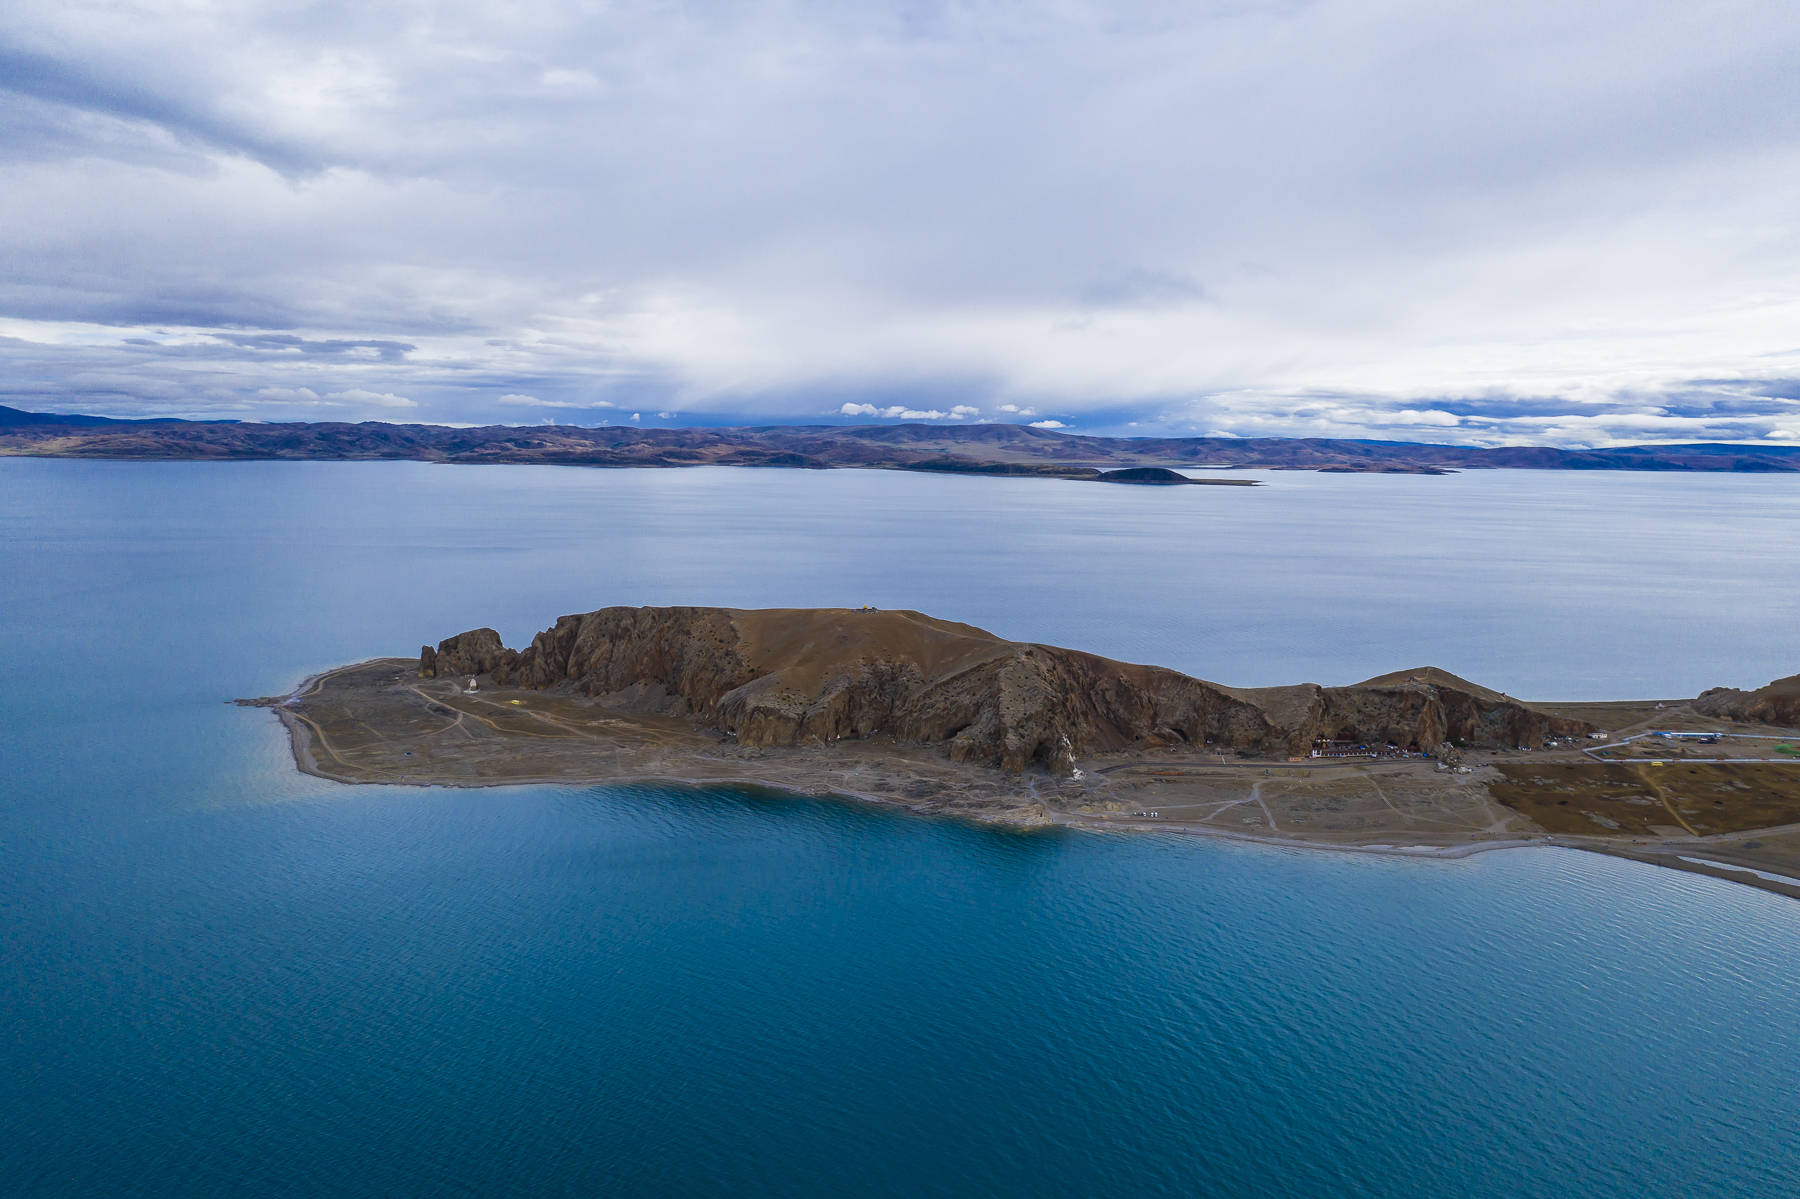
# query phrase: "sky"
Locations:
[[1531, 222]]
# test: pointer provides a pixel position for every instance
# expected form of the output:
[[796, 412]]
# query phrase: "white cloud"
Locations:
[[902, 412], [1387, 212], [371, 399], [289, 395], [354, 397], [1048, 424], [569, 82], [516, 400]]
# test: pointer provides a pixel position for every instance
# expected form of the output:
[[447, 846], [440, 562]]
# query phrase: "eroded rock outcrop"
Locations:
[[476, 652], [781, 677], [1423, 709], [1776, 704]]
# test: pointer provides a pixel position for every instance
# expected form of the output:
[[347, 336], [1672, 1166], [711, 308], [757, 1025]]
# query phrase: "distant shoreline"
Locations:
[[999, 450]]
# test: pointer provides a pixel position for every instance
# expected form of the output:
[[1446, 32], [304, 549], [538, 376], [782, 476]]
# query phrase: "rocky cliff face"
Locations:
[[1777, 704], [475, 652], [1421, 716], [803, 676]]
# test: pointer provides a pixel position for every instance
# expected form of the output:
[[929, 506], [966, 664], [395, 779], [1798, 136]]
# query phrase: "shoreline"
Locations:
[[985, 447], [1671, 858], [1697, 855]]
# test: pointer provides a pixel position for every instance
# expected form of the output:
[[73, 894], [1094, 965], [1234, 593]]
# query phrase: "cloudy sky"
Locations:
[[1539, 221]]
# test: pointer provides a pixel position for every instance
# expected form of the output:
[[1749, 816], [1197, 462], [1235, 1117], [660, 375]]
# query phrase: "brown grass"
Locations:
[[1634, 798]]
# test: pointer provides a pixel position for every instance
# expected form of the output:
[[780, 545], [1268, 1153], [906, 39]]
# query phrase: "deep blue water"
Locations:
[[220, 976]]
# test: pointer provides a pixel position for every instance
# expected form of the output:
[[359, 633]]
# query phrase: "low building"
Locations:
[[1325, 748]]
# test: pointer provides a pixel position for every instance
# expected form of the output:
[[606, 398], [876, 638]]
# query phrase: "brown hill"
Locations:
[[790, 676], [1434, 676], [1003, 449], [1777, 704]]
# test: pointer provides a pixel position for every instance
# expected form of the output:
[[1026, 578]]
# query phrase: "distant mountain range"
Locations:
[[962, 449]]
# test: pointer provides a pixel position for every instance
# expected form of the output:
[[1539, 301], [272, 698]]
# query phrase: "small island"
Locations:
[[945, 718], [1162, 476]]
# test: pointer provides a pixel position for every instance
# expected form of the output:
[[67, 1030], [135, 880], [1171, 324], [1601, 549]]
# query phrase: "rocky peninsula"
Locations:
[[947, 718]]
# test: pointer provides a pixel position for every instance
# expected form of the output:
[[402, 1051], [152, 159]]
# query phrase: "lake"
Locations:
[[222, 976]]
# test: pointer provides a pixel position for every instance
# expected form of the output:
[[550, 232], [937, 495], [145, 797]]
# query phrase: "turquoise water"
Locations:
[[221, 976]]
